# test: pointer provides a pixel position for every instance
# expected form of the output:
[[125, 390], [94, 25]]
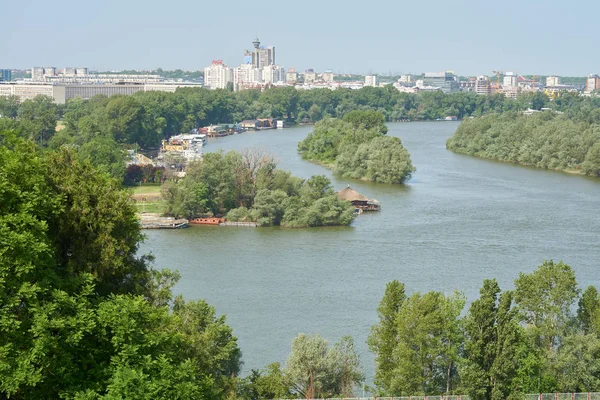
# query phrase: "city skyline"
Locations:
[[470, 38]]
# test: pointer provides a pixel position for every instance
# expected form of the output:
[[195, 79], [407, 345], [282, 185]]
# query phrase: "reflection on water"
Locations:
[[458, 221]]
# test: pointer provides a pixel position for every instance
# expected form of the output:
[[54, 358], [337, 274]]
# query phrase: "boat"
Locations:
[[207, 221]]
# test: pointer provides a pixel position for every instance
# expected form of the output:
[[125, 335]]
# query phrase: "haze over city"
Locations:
[[466, 36]]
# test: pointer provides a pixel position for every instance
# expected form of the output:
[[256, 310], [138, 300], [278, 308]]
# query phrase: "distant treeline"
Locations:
[[565, 142]]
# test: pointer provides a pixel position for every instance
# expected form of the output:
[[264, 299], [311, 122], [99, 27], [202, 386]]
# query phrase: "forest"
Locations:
[[565, 142], [247, 186], [84, 316], [357, 147]]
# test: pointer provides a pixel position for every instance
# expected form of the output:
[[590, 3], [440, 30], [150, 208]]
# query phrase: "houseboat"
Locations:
[[207, 221]]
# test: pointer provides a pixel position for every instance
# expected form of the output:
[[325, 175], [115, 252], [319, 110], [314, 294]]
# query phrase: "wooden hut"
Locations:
[[358, 200]]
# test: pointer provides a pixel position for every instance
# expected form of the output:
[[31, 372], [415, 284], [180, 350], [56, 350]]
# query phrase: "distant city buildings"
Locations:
[[372, 80], [444, 81], [310, 76], [291, 76], [482, 85], [552, 81], [592, 83], [5, 75], [328, 76], [218, 75], [510, 79]]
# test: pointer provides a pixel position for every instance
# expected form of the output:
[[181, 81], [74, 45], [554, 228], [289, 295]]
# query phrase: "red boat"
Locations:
[[207, 221]]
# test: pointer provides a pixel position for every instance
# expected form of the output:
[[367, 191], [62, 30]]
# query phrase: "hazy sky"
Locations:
[[471, 37]]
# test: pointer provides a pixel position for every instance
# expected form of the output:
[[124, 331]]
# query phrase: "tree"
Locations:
[[384, 336], [491, 345], [366, 119], [588, 313], [315, 370], [427, 347], [544, 298], [39, 116]]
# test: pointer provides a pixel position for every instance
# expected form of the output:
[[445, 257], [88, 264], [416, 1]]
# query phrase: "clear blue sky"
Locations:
[[471, 37]]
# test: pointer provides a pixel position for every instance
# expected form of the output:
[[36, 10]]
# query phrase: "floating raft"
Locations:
[[154, 221]]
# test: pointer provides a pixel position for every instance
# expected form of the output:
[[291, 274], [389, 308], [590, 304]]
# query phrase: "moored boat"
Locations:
[[207, 221]]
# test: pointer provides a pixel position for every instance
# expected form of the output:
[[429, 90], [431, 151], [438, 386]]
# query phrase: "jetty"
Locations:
[[155, 221]]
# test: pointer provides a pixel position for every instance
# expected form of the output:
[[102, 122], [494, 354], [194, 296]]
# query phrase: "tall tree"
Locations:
[[384, 336]]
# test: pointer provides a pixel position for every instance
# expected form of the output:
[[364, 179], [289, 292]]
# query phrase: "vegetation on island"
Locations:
[[565, 142], [247, 186], [509, 343], [357, 147]]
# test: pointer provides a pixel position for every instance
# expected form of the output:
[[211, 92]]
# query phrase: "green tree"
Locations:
[[588, 312], [39, 116], [384, 336]]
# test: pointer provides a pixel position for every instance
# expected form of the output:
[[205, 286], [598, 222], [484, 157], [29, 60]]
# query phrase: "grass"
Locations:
[[146, 188], [151, 207]]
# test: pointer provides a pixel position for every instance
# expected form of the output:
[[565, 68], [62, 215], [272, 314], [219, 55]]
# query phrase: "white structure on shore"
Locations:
[[217, 75], [372, 80]]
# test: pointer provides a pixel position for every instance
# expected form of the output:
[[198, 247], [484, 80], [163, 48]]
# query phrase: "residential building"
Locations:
[[482, 85], [327, 76], [246, 74], [468, 85], [310, 76], [445, 81], [405, 79], [217, 75], [372, 80], [273, 74], [592, 83], [291, 77], [5, 75], [552, 81], [510, 79]]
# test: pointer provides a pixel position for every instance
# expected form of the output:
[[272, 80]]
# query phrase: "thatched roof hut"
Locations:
[[351, 195]]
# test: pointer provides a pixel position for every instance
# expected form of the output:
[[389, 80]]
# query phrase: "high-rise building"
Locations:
[[246, 75], [310, 76], [217, 75], [482, 85], [327, 76], [510, 79], [291, 77], [372, 80], [445, 81], [260, 56], [5, 75], [273, 74], [552, 81], [592, 83]]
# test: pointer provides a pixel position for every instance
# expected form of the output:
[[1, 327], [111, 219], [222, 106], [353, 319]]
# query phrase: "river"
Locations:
[[459, 221]]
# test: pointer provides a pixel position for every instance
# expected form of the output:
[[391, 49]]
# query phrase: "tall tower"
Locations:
[[256, 54]]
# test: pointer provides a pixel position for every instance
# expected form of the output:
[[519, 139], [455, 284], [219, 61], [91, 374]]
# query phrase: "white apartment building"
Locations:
[[217, 75], [552, 81], [372, 80], [482, 85], [327, 76], [273, 74], [510, 79], [246, 75]]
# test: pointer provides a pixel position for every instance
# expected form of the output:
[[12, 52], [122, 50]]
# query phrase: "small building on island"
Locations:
[[358, 200]]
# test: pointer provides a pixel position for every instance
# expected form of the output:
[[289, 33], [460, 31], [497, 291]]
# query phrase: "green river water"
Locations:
[[458, 221]]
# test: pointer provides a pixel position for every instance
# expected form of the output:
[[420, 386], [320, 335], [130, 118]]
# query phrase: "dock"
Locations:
[[155, 221]]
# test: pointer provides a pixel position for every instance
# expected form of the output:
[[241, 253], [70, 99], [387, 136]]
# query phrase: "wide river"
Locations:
[[459, 221]]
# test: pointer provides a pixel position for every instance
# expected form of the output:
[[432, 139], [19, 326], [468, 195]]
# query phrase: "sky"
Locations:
[[470, 37]]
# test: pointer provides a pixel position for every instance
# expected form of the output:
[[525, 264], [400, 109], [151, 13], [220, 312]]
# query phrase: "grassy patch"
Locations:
[[151, 207], [146, 188]]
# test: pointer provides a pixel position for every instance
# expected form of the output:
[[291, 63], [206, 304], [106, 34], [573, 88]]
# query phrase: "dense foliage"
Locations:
[[509, 343], [247, 186], [81, 315], [544, 140], [357, 147]]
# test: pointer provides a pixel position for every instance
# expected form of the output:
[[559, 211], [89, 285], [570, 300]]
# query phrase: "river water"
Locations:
[[459, 221]]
